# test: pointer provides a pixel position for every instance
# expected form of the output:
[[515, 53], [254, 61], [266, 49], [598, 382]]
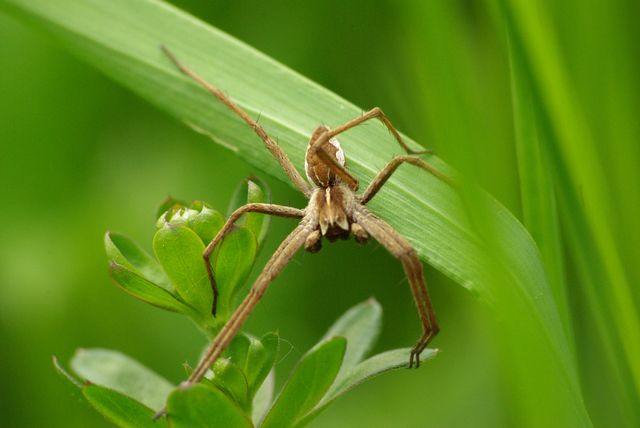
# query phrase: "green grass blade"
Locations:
[[539, 206], [578, 154]]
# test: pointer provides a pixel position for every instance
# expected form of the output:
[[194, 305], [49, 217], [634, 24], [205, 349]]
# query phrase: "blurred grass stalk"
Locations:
[[566, 195]]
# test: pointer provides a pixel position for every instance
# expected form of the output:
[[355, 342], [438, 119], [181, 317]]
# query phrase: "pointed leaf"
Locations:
[[370, 368], [254, 357], [252, 190], [199, 217], [360, 325], [121, 373], [231, 380], [263, 399], [233, 264], [168, 203], [73, 385], [127, 253], [179, 251], [200, 406], [120, 409], [145, 290], [307, 385]]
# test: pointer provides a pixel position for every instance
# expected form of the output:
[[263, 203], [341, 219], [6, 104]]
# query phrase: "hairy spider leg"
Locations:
[[271, 145], [402, 250], [340, 170]]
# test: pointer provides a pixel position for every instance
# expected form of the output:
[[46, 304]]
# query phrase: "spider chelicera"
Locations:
[[334, 211]]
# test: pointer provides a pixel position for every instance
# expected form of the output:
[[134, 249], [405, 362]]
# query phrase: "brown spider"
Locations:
[[334, 211]]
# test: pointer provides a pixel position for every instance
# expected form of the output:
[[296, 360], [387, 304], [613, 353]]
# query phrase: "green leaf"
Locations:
[[252, 190], [230, 379], [198, 216], [168, 203], [203, 406], [145, 290], [307, 385], [120, 409], [73, 385], [263, 399], [123, 374], [179, 251], [360, 325], [127, 253], [368, 369], [254, 357], [233, 262]]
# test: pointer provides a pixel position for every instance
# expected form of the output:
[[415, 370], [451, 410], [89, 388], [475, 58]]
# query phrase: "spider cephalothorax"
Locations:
[[334, 211]]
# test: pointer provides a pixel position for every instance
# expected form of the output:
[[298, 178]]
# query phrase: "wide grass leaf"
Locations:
[[307, 385], [123, 374], [201, 406]]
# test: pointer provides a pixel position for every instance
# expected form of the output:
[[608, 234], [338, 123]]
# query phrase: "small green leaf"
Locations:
[[121, 373], [229, 378], [207, 222], [360, 325], [254, 357], [179, 251], [168, 203], [198, 216], [233, 264], [65, 374], [307, 385], [370, 368], [127, 253], [73, 385], [120, 409], [262, 400], [206, 407], [145, 290], [252, 190]]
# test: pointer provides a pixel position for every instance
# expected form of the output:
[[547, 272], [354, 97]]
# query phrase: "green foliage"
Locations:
[[234, 391]]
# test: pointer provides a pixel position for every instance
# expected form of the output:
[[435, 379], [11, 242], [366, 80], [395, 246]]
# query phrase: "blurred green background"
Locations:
[[80, 155]]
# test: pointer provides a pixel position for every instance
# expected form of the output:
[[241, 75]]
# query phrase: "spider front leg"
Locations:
[[402, 250], [277, 210]]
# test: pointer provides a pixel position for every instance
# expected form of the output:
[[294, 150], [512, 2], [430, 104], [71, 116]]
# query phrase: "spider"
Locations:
[[334, 211]]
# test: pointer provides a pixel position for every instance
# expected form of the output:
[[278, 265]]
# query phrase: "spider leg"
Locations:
[[340, 170], [271, 145], [274, 266], [277, 210], [386, 172], [402, 250]]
